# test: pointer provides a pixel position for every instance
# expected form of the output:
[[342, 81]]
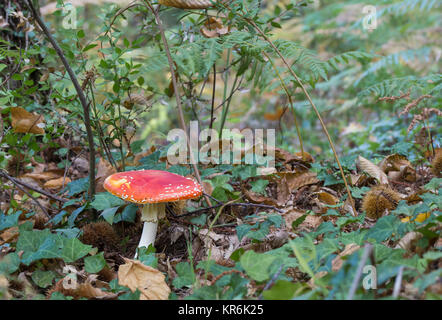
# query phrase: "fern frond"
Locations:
[[403, 7], [395, 86], [395, 58], [303, 57], [344, 58]]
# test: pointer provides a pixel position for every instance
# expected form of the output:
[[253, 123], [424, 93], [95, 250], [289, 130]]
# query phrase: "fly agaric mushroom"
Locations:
[[152, 188]]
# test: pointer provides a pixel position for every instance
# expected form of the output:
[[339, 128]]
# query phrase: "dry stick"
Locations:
[[81, 96], [398, 282], [176, 91], [26, 192], [226, 273], [242, 204], [313, 106], [367, 251], [213, 97], [271, 282], [1, 128], [28, 186], [103, 144], [121, 11]]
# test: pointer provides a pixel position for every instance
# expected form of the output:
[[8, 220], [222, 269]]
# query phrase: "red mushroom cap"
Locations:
[[151, 186]]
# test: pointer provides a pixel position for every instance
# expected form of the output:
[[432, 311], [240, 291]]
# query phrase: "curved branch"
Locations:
[[81, 96]]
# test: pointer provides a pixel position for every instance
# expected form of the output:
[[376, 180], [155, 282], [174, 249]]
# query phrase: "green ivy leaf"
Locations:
[[259, 186], [10, 220], [105, 200], [95, 263], [129, 213], [38, 244], [383, 229], [434, 184], [257, 265], [73, 216], [428, 279], [43, 279], [199, 220], [186, 276], [73, 250], [77, 186], [109, 214], [59, 296], [181, 170], [9, 263], [281, 290]]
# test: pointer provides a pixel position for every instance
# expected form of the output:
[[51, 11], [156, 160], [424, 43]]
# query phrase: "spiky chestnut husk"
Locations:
[[378, 199], [436, 164], [178, 207], [40, 221], [100, 235]]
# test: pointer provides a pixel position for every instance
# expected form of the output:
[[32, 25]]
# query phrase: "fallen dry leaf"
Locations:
[[207, 187], [398, 168], [23, 121], [421, 217], [257, 197], [327, 198], [310, 222], [305, 156], [406, 242], [90, 289], [373, 170], [9, 235], [393, 162], [219, 246], [213, 27], [317, 276], [46, 175], [149, 281], [296, 180], [285, 156], [4, 285], [104, 169], [57, 183], [275, 115], [348, 250]]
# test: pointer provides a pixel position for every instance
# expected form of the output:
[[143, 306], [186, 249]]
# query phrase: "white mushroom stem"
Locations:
[[150, 213]]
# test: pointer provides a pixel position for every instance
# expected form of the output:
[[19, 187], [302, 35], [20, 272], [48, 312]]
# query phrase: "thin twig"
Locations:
[[367, 251], [227, 273], [121, 11], [271, 281], [256, 205], [289, 97], [81, 96], [26, 192], [28, 186], [213, 97], [1, 128]]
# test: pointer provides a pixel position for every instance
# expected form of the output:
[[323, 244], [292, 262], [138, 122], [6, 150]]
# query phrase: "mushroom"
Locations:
[[152, 188]]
